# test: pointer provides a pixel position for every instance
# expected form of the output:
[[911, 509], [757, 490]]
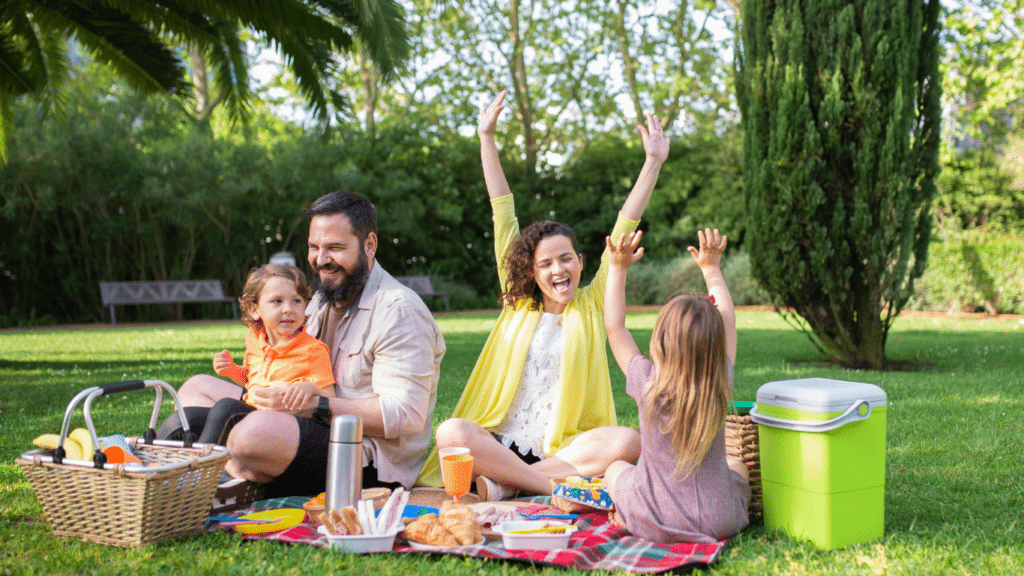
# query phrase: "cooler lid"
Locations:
[[819, 394]]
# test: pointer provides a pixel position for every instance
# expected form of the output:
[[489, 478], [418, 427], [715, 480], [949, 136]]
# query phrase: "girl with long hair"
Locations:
[[684, 488]]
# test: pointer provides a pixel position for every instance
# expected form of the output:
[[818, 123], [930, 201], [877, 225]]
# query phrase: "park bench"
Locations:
[[424, 287], [163, 292]]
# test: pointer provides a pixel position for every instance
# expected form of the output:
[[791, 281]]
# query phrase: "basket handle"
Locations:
[[93, 392], [126, 386]]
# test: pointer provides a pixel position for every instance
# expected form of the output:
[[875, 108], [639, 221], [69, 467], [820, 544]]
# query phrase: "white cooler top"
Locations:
[[819, 394]]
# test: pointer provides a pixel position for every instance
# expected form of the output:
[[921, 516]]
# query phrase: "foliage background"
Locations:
[[117, 186]]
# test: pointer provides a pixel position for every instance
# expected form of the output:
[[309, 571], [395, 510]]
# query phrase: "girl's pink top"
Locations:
[[709, 505]]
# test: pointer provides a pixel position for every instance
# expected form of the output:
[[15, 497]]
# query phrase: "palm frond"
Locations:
[[57, 69], [231, 71], [19, 63], [173, 19], [380, 25], [310, 63], [136, 53], [6, 123], [274, 17]]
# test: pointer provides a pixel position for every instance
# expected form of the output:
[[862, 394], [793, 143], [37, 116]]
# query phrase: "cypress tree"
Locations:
[[841, 117]]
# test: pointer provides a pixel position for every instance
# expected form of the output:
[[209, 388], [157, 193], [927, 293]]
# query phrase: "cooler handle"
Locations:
[[852, 414]]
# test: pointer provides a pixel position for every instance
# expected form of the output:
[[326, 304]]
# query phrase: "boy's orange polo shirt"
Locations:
[[301, 359]]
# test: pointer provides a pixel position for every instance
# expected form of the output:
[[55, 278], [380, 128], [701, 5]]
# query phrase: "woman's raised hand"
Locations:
[[653, 137], [489, 116]]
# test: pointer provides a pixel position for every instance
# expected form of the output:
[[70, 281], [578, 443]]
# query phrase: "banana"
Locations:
[[81, 435], [72, 448]]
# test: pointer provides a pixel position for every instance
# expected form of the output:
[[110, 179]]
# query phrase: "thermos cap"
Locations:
[[346, 428]]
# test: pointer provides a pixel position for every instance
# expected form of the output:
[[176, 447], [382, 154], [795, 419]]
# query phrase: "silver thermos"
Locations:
[[345, 462]]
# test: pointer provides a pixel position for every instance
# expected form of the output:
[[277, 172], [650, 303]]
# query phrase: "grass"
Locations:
[[954, 494]]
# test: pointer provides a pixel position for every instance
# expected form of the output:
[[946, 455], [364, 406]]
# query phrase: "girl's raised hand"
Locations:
[[712, 245], [626, 251], [489, 116], [653, 137]]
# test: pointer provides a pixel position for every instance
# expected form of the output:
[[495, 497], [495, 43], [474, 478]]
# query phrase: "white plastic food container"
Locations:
[[361, 543], [534, 540]]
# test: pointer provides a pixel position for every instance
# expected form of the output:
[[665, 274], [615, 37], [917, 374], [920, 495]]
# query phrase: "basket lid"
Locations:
[[819, 394]]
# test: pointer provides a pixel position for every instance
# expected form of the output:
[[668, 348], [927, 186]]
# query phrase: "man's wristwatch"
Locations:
[[322, 412]]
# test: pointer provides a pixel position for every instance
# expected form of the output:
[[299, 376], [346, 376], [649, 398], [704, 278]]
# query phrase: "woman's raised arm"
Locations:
[[656, 147], [494, 177]]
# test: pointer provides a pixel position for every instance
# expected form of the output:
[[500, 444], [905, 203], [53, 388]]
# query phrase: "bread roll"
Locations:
[[460, 520], [427, 529]]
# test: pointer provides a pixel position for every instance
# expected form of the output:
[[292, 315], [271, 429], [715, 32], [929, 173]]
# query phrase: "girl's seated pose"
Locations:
[[538, 405], [277, 349], [683, 488]]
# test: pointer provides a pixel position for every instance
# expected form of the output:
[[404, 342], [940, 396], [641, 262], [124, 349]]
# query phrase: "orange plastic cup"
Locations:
[[458, 474], [117, 455]]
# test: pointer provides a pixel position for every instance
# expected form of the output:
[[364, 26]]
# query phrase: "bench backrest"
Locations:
[[418, 284], [162, 292]]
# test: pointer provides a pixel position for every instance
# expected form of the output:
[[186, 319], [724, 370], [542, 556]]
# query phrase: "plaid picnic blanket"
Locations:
[[597, 545]]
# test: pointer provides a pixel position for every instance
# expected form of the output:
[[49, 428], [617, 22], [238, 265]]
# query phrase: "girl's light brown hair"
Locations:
[[689, 388], [258, 278], [520, 283]]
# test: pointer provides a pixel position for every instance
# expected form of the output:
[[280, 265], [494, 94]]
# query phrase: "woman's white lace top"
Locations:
[[527, 418]]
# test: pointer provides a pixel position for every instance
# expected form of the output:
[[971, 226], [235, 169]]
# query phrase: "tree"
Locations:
[[841, 115], [140, 39], [574, 71], [672, 62], [982, 183]]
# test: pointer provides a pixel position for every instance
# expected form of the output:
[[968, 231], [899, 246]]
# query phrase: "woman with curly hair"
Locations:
[[538, 404]]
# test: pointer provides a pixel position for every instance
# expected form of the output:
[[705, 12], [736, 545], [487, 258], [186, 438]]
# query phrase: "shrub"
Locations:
[[743, 286], [974, 271], [654, 282]]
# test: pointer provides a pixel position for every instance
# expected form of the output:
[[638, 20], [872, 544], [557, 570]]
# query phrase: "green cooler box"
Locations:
[[822, 448]]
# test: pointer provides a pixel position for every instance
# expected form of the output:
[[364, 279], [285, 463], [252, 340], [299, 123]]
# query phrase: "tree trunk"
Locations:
[[371, 91], [628, 62], [523, 104]]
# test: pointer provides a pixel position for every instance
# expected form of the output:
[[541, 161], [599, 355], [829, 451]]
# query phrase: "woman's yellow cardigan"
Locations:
[[585, 401]]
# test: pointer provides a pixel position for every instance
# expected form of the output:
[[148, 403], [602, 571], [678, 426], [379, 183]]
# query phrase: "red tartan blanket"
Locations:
[[597, 545]]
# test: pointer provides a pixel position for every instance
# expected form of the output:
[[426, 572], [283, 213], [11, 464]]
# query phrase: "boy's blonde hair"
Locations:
[[689, 388], [258, 278]]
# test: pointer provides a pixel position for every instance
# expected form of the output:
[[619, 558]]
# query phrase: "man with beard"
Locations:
[[386, 354]]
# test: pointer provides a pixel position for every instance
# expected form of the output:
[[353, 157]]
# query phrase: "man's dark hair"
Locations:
[[360, 212]]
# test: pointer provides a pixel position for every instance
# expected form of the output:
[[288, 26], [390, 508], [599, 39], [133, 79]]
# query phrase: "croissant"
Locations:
[[460, 520], [427, 529]]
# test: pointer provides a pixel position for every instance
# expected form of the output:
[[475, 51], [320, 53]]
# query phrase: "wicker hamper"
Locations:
[[126, 505], [741, 441]]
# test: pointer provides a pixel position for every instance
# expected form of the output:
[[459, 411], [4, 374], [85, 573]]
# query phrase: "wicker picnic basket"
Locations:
[[169, 495], [741, 441]]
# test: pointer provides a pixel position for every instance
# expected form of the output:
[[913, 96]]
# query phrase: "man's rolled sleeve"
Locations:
[[404, 374]]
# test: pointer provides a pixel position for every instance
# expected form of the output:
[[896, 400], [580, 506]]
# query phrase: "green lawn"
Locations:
[[954, 493]]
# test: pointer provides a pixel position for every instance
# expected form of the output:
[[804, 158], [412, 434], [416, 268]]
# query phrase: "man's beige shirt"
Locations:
[[386, 344]]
